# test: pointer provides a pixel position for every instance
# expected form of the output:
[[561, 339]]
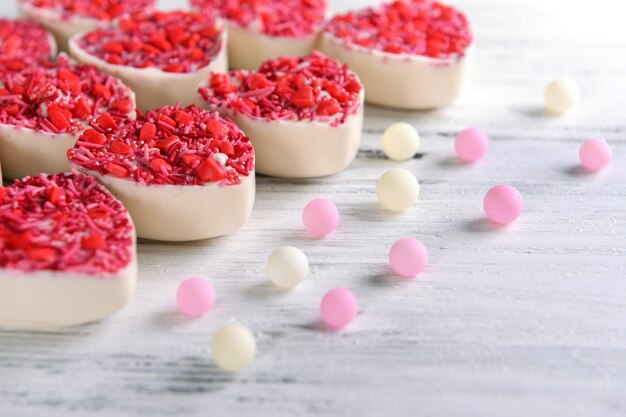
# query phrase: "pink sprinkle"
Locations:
[[195, 296], [320, 217], [23, 40], [100, 10], [471, 144], [314, 88], [63, 222], [71, 94], [408, 257], [293, 18], [338, 308], [595, 154], [503, 204], [174, 41], [416, 27], [154, 148]]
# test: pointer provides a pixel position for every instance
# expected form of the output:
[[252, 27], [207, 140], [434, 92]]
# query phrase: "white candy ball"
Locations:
[[397, 189], [233, 347], [561, 95], [287, 267], [400, 141]]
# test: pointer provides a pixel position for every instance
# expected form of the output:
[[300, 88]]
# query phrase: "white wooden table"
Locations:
[[525, 321]]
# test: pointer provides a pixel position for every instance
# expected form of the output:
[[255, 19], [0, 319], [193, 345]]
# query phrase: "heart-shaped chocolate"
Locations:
[[65, 18], [304, 115], [177, 49], [44, 106], [183, 173], [67, 252], [409, 53], [21, 40]]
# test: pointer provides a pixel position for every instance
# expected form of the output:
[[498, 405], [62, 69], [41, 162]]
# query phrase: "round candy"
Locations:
[[287, 267], [195, 296], [338, 308], [503, 204], [471, 144], [397, 189], [408, 257], [320, 217], [400, 141], [233, 347], [595, 154], [561, 95]]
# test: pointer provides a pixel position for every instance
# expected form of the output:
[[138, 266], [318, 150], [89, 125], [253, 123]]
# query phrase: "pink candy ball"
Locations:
[[503, 204], [195, 296], [338, 308], [320, 217], [471, 144], [408, 257], [595, 154]]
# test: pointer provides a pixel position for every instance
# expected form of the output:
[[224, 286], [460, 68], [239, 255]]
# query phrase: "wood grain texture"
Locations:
[[525, 321]]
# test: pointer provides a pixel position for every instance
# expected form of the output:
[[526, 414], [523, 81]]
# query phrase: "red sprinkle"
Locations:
[[170, 145], [59, 118], [22, 41], [38, 97], [147, 132], [42, 254], [314, 87], [176, 41], [182, 117], [120, 147], [415, 27], [211, 170], [116, 170], [54, 194], [124, 106], [96, 9], [93, 241], [303, 97], [93, 136], [20, 240], [37, 233], [293, 18], [106, 122]]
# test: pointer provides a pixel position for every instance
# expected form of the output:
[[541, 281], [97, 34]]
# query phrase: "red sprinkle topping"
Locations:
[[314, 87], [21, 40], [416, 27], [63, 222], [96, 9], [170, 145], [62, 97], [170, 41], [293, 18]]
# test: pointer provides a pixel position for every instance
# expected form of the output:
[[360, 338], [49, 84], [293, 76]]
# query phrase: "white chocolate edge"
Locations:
[[301, 148], [153, 87], [25, 151], [54, 49], [402, 81], [183, 212], [48, 299], [248, 47]]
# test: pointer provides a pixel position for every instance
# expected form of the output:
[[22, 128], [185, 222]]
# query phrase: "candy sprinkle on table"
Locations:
[[320, 217], [338, 308], [503, 204]]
